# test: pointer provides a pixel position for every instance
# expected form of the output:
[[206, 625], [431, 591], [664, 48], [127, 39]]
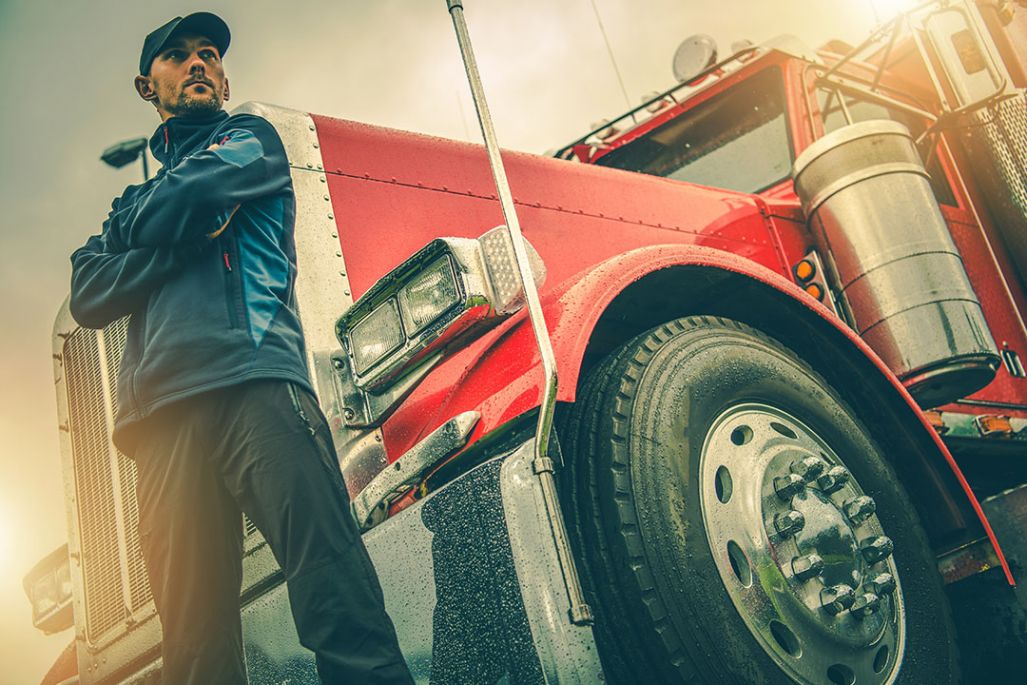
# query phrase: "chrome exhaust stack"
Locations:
[[902, 283]]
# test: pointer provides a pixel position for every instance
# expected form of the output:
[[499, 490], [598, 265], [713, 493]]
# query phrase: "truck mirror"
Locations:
[[965, 55]]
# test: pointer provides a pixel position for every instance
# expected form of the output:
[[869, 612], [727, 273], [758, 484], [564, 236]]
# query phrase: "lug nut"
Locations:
[[860, 509], [807, 567], [865, 604], [789, 523], [833, 481], [882, 584], [876, 548], [788, 486], [837, 598], [808, 469]]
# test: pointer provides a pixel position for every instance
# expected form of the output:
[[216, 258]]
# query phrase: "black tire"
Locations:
[[633, 443]]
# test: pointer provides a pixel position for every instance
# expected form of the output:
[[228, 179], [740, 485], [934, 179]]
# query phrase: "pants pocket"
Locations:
[[322, 443], [297, 407]]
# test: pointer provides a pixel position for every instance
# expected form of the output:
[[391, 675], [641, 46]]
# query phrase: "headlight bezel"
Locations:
[[480, 269], [385, 293]]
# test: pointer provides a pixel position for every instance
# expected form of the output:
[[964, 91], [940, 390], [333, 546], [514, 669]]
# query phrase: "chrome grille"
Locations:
[[1006, 133], [138, 584], [109, 584], [105, 606], [995, 140]]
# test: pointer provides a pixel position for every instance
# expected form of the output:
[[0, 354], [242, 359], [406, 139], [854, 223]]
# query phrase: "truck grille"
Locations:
[[113, 588], [138, 584], [995, 141]]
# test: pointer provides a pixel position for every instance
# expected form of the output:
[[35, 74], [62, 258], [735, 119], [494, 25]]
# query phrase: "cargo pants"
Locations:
[[262, 447]]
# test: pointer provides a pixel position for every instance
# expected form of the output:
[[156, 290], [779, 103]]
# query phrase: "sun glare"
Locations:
[[886, 9]]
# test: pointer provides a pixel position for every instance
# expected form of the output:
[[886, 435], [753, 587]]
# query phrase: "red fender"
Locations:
[[500, 374]]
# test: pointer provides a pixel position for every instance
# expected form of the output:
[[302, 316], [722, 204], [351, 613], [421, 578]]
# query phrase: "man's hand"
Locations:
[[221, 230]]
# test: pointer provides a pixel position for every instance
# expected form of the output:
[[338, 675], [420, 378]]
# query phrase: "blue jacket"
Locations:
[[205, 312]]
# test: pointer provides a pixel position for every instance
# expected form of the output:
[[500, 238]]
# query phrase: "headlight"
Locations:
[[48, 587], [374, 336], [446, 289], [428, 296]]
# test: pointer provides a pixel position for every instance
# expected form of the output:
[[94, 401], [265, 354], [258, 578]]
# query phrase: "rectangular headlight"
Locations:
[[48, 586], [375, 336], [446, 289], [429, 295]]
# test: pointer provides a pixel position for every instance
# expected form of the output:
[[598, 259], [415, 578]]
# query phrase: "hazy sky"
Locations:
[[66, 70]]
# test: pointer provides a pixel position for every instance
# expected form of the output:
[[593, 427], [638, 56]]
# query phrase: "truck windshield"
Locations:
[[737, 140]]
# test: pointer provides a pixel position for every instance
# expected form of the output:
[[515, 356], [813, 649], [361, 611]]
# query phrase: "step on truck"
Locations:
[[779, 309]]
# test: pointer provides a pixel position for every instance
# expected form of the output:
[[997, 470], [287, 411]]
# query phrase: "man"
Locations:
[[214, 402]]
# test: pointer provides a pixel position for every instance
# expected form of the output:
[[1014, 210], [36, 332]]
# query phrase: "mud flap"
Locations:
[[991, 616]]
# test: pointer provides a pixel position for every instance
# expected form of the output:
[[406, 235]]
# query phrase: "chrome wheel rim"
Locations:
[[800, 549]]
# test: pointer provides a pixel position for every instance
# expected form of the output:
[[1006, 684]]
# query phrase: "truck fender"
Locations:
[[593, 312]]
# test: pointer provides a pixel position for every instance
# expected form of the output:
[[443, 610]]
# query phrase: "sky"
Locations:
[[66, 70]]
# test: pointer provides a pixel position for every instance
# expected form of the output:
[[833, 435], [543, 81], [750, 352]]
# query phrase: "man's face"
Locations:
[[187, 78]]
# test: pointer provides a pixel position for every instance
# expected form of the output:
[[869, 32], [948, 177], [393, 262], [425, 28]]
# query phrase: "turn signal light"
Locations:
[[937, 421], [994, 426], [805, 270], [815, 290]]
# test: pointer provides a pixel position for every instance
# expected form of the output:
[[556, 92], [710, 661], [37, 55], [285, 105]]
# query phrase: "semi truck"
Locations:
[[745, 403]]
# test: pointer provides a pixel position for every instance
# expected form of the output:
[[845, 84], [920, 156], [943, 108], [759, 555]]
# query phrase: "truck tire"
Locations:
[[735, 523]]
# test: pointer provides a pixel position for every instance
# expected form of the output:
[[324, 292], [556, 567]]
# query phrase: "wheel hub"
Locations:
[[800, 549], [827, 535]]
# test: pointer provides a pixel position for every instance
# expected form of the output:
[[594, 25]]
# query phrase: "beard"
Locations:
[[190, 105]]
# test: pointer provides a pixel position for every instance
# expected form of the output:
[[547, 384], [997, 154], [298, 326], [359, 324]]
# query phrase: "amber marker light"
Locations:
[[937, 421], [805, 270], [994, 426], [815, 290]]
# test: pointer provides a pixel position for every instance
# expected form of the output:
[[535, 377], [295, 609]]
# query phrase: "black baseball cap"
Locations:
[[204, 23]]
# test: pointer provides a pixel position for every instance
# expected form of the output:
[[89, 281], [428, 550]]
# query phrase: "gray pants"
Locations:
[[262, 447]]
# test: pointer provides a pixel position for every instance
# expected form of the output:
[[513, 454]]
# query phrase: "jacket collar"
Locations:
[[178, 136]]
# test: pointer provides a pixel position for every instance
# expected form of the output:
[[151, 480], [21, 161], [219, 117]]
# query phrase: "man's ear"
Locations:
[[145, 88], [226, 91]]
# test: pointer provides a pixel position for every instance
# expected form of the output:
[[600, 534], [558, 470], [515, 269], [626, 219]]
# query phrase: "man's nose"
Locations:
[[195, 63]]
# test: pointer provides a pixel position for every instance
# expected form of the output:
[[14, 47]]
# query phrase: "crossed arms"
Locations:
[[156, 230]]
